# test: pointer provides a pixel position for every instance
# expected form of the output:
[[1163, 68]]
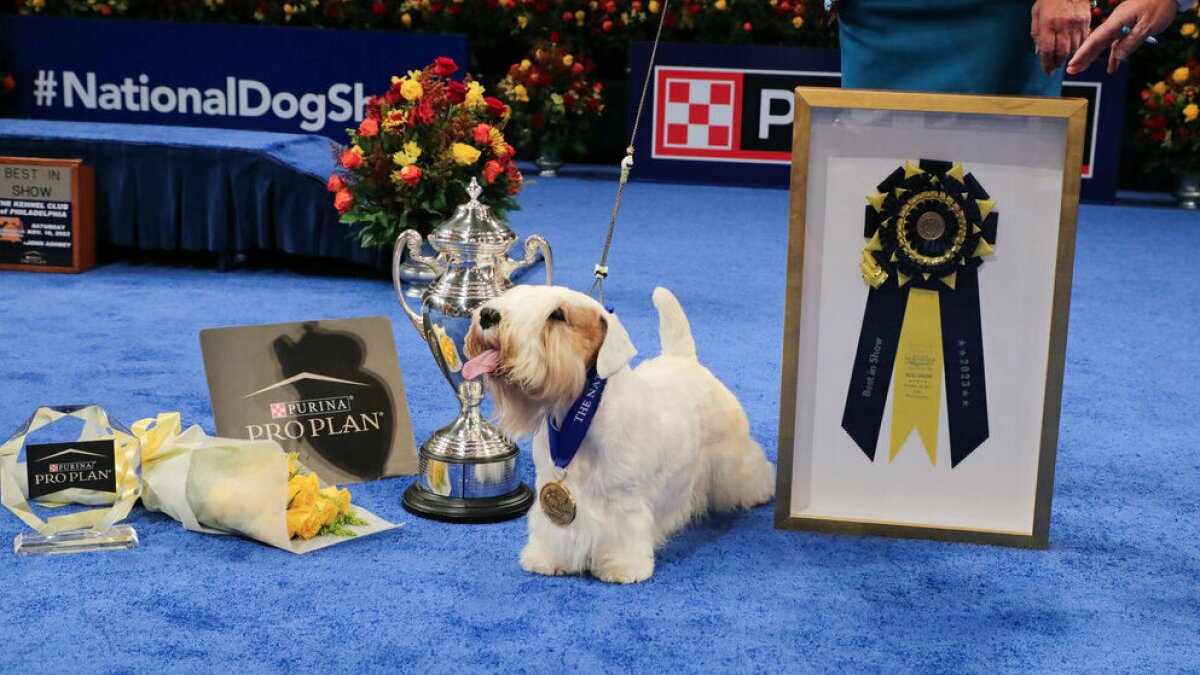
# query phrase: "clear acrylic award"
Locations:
[[61, 460]]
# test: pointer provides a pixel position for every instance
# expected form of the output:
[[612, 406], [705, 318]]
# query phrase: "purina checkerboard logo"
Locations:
[[727, 115]]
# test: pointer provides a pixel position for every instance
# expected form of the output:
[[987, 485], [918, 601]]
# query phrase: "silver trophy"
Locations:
[[468, 469]]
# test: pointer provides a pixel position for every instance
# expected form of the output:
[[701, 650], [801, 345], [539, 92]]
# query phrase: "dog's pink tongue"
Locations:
[[481, 365]]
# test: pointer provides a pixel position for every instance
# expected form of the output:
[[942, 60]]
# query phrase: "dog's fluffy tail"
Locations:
[[673, 327]]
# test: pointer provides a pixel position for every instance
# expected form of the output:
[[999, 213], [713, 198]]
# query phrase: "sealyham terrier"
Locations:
[[624, 457]]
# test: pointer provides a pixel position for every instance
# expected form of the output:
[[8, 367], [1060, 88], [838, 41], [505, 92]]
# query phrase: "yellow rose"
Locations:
[[1181, 74], [412, 90], [339, 498], [720, 5], [522, 21], [464, 154], [406, 19], [1191, 112], [568, 60], [579, 16], [654, 6], [797, 21], [520, 93], [1187, 29], [475, 95], [303, 490], [304, 522], [326, 509], [408, 155], [526, 64]]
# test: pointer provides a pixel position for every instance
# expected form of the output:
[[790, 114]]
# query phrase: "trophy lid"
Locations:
[[472, 227]]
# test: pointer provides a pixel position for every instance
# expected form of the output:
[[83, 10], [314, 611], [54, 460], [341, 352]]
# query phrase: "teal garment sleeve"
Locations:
[[952, 46]]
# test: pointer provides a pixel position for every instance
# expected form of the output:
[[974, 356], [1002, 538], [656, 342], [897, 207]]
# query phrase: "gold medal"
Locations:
[[557, 503]]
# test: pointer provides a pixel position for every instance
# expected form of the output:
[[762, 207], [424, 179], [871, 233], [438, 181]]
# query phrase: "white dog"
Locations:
[[667, 442]]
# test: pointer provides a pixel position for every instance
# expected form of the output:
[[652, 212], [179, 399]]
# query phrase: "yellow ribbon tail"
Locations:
[[917, 394]]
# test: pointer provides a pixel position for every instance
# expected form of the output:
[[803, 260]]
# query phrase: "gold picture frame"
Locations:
[[979, 111]]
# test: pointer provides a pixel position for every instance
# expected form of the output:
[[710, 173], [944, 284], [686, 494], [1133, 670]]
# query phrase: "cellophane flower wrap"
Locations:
[[416, 150], [251, 488]]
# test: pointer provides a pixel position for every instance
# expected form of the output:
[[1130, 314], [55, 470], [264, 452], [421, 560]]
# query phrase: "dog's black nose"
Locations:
[[488, 317]]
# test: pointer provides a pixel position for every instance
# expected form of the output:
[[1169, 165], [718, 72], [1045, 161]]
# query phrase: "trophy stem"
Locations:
[[468, 470]]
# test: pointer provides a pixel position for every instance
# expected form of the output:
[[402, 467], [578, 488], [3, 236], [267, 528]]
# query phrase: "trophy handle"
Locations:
[[412, 240], [533, 244]]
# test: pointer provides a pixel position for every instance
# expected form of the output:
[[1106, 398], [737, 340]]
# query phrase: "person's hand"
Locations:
[[1059, 28], [1143, 18]]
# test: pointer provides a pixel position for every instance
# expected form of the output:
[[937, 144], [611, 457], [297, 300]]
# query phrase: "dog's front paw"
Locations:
[[535, 561], [625, 571]]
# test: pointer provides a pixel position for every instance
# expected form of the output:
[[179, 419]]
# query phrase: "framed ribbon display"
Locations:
[[922, 356], [928, 227]]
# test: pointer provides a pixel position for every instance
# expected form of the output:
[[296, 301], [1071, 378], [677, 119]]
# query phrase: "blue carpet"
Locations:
[[1119, 589]]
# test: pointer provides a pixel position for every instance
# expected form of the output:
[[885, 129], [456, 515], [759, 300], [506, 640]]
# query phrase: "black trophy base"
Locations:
[[421, 502]]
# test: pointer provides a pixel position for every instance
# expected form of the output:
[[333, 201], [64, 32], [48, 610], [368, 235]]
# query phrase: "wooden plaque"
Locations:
[[47, 215]]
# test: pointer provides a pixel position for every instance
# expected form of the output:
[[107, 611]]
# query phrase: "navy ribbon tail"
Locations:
[[873, 363], [962, 348]]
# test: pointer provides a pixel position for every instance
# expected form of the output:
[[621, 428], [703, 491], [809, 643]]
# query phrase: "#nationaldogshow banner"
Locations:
[[292, 80]]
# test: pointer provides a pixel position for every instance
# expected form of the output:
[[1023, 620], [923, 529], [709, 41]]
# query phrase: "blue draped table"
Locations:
[[191, 189]]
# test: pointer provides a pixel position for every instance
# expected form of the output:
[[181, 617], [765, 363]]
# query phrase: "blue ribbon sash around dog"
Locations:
[[568, 435]]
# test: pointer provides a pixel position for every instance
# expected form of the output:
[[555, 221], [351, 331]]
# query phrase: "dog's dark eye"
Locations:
[[558, 315]]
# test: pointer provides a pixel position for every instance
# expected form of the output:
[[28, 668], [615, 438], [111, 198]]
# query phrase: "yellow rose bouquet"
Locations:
[[251, 488]]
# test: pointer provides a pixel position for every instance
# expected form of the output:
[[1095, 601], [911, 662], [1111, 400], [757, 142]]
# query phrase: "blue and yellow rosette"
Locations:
[[928, 228]]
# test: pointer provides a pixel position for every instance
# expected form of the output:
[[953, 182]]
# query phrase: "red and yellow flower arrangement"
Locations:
[[552, 100], [419, 146], [1170, 119]]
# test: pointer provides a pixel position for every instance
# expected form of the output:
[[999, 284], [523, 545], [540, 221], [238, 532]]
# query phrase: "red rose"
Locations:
[[411, 174], [569, 100], [374, 107], [456, 91], [435, 7], [494, 107], [747, 26], [336, 184], [351, 160], [568, 16], [695, 9], [610, 7], [593, 104], [331, 11], [379, 8], [423, 113], [10, 83], [369, 127], [1157, 122], [555, 37], [393, 96], [608, 25], [508, 150], [1145, 94], [1169, 99], [514, 179], [444, 67], [1158, 135], [343, 200], [1151, 105], [455, 9], [482, 134], [492, 171], [577, 68], [106, 10]]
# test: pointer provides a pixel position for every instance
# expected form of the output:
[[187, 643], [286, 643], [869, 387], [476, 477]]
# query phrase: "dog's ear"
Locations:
[[617, 350]]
